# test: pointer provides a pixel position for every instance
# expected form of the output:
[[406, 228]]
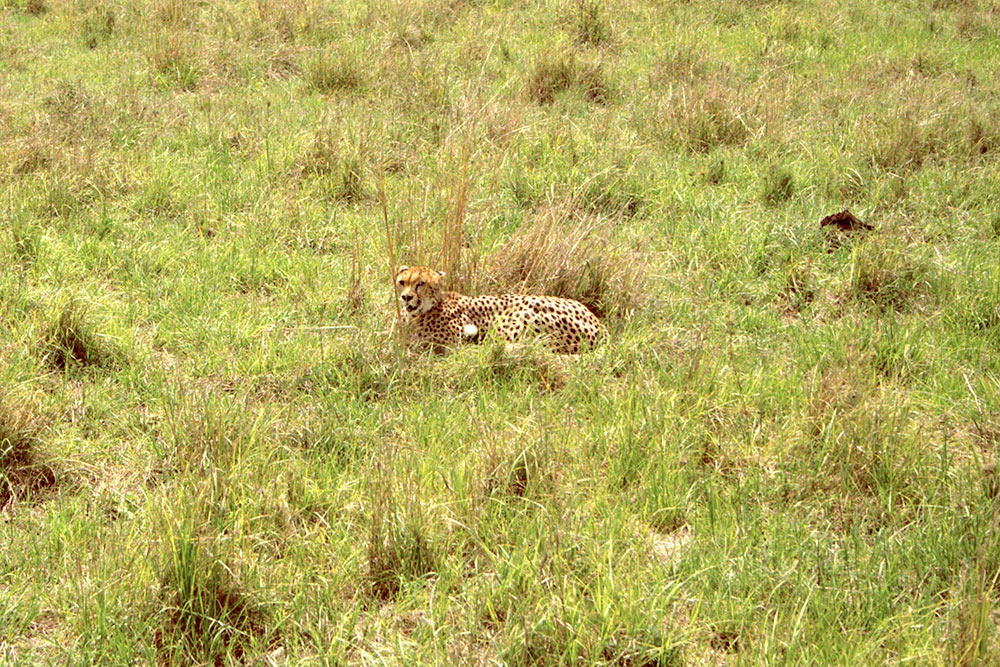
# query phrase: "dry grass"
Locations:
[[973, 638], [335, 71], [449, 245], [590, 23], [554, 73], [563, 253], [22, 473], [454, 238], [175, 60], [26, 155]]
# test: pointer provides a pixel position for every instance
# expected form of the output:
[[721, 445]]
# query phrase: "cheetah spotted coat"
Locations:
[[441, 318]]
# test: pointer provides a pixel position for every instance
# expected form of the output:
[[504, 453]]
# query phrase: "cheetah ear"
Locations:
[[401, 269], [440, 274]]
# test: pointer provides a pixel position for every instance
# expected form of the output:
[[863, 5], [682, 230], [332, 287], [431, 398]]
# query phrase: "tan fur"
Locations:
[[440, 318]]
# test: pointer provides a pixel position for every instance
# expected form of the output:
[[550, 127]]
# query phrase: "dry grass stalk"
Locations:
[[390, 249], [453, 233], [453, 236]]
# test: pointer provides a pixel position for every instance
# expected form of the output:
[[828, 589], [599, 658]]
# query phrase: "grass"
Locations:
[[215, 450], [555, 73], [70, 341], [201, 612], [22, 472]]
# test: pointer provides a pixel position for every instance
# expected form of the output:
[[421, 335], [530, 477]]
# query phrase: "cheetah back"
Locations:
[[457, 318], [565, 321]]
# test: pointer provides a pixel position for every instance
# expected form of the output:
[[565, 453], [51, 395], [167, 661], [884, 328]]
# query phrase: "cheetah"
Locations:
[[441, 318]]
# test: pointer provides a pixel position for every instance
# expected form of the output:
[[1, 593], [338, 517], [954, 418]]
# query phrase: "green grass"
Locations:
[[214, 451]]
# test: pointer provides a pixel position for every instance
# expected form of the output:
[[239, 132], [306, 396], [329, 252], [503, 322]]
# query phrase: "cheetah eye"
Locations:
[[400, 283], [420, 284]]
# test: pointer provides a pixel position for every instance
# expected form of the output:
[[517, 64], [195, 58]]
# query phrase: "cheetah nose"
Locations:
[[407, 297]]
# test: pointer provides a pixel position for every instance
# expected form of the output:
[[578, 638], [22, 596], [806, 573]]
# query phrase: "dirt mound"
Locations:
[[844, 221]]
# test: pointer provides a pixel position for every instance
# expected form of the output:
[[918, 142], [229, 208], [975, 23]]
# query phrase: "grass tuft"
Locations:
[[594, 82], [922, 133], [798, 289], [854, 454], [702, 104], [207, 430], [644, 650], [70, 341], [702, 108], [97, 26], [710, 121], [356, 295], [505, 362], [498, 363], [554, 73], [175, 62], [400, 547], [30, 155], [712, 173], [173, 13], [981, 133], [573, 256], [524, 471], [889, 277], [778, 186], [614, 192], [335, 71], [590, 23], [347, 184], [203, 615], [25, 241], [975, 627], [340, 165], [68, 103], [22, 474]]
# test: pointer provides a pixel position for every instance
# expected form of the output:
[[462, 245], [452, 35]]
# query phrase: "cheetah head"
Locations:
[[419, 288]]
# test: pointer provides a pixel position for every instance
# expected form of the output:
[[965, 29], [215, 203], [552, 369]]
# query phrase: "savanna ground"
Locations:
[[213, 448]]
